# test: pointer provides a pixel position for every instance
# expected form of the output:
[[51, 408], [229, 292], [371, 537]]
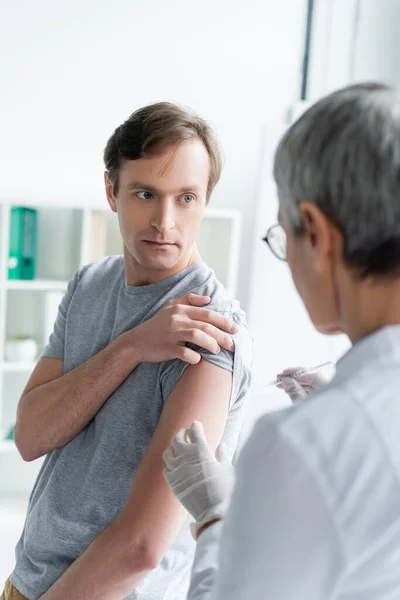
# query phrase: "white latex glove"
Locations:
[[201, 480], [299, 387]]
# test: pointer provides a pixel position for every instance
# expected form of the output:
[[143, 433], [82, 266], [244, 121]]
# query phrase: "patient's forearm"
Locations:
[[51, 415], [109, 569]]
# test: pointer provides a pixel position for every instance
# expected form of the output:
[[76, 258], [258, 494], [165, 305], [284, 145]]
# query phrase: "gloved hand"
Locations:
[[201, 480], [299, 387]]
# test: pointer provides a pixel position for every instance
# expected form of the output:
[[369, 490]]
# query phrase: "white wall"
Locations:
[[377, 48], [354, 41], [73, 70]]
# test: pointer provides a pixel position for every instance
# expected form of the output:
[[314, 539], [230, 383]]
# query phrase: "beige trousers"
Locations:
[[10, 593]]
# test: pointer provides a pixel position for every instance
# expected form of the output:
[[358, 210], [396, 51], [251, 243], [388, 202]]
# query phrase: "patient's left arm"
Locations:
[[126, 551]]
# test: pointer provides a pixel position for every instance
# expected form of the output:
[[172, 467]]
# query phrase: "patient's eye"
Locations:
[[144, 195]]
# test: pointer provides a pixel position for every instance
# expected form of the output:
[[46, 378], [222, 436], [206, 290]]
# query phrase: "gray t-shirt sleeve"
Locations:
[[238, 363], [55, 345]]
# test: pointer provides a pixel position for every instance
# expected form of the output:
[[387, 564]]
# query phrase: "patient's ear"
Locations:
[[109, 186]]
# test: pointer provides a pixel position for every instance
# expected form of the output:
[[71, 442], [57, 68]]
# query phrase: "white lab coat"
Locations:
[[315, 514]]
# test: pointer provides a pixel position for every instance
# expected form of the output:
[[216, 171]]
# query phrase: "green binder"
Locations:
[[22, 248]]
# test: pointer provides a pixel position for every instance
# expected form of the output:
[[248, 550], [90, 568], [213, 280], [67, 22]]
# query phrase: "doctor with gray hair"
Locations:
[[315, 510]]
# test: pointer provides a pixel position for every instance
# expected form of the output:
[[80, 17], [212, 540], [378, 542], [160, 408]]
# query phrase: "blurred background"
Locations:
[[71, 71]]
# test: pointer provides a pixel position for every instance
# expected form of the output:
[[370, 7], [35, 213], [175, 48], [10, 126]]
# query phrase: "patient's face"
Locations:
[[160, 203]]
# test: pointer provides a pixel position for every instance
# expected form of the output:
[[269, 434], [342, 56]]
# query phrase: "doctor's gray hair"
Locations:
[[343, 154]]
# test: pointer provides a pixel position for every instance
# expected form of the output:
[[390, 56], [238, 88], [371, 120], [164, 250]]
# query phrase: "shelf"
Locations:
[[69, 237], [36, 285], [17, 367], [7, 446]]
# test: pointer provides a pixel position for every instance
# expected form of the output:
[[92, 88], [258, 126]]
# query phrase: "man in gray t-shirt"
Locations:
[[143, 344]]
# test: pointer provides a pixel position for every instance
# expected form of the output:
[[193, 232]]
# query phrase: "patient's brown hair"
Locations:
[[154, 127]]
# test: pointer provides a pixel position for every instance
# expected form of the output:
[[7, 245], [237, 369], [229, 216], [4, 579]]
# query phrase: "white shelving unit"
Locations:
[[39, 285], [7, 446], [69, 237]]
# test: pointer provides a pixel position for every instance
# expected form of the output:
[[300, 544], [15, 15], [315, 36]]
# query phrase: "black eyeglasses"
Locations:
[[276, 240]]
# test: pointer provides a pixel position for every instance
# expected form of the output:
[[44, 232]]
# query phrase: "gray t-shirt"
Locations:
[[82, 487]]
